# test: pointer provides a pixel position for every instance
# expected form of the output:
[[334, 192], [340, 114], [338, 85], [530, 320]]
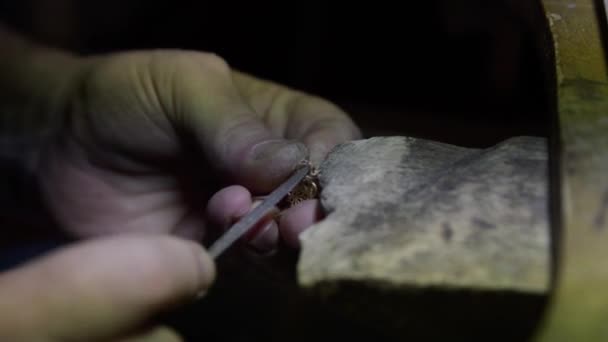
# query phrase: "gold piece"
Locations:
[[307, 189]]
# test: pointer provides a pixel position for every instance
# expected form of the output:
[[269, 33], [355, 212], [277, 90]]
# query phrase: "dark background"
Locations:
[[464, 72]]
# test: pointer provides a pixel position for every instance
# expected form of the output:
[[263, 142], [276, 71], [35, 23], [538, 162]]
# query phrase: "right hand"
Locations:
[[103, 289]]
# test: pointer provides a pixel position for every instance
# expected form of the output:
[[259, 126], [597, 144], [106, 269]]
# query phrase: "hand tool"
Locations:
[[250, 220]]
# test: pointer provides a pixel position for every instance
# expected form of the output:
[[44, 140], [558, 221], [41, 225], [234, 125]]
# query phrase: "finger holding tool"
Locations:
[[250, 220]]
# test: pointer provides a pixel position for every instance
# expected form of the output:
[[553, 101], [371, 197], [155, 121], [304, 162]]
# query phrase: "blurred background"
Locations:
[[468, 72], [464, 72]]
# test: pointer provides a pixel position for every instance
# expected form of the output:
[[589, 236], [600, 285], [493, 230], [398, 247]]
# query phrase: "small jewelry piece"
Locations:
[[307, 189]]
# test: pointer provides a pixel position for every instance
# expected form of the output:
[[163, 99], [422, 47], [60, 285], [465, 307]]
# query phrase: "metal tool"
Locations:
[[249, 220]]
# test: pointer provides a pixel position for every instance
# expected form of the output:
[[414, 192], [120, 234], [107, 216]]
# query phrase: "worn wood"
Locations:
[[411, 214]]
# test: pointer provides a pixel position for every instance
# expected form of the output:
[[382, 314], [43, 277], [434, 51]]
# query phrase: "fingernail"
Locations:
[[269, 163], [266, 240], [279, 150]]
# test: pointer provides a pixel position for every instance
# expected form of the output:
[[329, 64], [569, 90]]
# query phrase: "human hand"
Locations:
[[148, 135], [107, 289]]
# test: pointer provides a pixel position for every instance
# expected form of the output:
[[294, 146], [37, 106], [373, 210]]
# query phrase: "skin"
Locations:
[[150, 152]]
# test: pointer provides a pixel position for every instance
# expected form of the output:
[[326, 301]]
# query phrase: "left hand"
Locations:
[[147, 135]]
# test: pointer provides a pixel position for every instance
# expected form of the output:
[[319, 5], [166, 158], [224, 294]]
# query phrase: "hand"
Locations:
[[103, 289], [149, 134]]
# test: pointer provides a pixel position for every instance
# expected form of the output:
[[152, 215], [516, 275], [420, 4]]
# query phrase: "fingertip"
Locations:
[[268, 163], [322, 141], [178, 268], [228, 204], [266, 239], [297, 219], [206, 269], [154, 334]]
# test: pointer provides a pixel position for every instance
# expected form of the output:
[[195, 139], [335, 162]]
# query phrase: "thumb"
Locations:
[[102, 289], [235, 138]]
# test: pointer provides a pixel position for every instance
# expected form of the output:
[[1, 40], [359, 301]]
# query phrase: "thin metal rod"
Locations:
[[249, 221]]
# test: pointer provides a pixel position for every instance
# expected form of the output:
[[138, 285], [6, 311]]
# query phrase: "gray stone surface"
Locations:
[[411, 213]]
